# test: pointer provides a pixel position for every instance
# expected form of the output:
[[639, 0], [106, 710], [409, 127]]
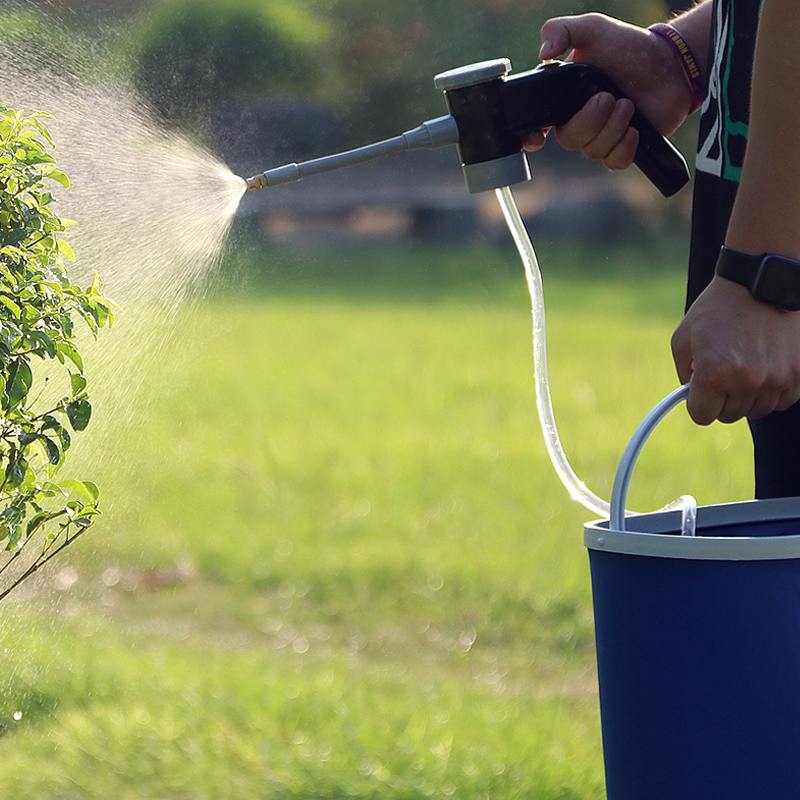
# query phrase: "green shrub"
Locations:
[[39, 516], [189, 55]]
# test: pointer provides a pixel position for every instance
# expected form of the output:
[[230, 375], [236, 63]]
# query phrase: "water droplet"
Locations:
[[300, 645], [111, 577], [361, 508], [66, 579], [435, 583]]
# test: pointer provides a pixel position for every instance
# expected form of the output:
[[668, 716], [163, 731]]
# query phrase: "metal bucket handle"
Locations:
[[619, 494]]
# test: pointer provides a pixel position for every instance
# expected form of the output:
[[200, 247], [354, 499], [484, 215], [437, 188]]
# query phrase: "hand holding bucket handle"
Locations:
[[619, 493]]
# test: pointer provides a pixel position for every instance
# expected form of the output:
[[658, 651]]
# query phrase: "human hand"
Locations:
[[642, 64], [740, 357]]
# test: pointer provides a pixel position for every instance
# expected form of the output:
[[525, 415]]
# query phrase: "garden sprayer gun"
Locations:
[[490, 113]]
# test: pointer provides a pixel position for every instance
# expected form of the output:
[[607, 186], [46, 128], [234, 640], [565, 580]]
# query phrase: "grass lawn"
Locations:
[[335, 562]]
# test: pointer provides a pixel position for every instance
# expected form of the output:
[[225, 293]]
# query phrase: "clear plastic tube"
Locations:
[[577, 488]]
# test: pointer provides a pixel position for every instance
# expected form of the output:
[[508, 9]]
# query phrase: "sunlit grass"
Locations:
[[336, 562]]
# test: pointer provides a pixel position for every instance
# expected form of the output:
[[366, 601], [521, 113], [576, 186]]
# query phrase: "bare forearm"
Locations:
[[766, 216], [742, 355]]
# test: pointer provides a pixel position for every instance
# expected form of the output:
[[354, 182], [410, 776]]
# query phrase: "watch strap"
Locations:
[[738, 267], [771, 279]]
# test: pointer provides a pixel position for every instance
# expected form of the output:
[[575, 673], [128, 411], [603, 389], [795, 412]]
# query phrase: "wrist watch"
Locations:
[[771, 279]]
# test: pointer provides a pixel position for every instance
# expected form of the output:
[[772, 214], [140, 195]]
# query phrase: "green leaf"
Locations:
[[16, 469], [14, 237], [56, 175], [51, 489], [42, 341], [11, 306], [78, 383], [71, 353], [86, 489], [13, 536], [20, 378], [53, 453], [65, 250], [52, 424], [36, 520], [92, 489], [9, 335], [77, 487], [72, 508], [79, 412]]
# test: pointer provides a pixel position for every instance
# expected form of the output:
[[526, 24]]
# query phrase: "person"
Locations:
[[739, 352]]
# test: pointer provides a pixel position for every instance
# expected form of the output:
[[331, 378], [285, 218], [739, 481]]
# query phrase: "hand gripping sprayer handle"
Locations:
[[494, 111], [490, 113]]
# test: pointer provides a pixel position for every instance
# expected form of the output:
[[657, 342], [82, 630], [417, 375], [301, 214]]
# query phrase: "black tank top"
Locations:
[[723, 134]]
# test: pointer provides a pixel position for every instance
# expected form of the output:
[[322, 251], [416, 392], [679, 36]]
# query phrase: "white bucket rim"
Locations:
[[658, 534]]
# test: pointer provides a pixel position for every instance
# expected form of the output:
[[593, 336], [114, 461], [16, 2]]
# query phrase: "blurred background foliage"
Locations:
[[371, 61]]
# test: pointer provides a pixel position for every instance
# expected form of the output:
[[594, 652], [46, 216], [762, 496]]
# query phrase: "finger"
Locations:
[[612, 133], [621, 157], [681, 345], [587, 124], [555, 38], [568, 33], [788, 398], [763, 406], [738, 407], [703, 403], [534, 140], [785, 395]]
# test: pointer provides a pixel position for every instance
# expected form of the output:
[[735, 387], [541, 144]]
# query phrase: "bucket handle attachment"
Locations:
[[619, 493]]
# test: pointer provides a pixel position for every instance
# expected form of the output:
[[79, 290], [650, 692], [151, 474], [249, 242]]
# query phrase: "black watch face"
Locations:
[[778, 283]]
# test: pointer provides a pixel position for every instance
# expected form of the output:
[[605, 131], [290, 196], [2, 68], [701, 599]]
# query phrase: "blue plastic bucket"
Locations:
[[698, 650]]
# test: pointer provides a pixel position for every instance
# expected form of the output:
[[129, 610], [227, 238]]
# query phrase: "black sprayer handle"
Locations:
[[658, 159], [562, 89], [494, 115]]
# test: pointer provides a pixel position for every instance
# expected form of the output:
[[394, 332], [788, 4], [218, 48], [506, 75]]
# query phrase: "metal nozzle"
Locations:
[[274, 177], [256, 182]]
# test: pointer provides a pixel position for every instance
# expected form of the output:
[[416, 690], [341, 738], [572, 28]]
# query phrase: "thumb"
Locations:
[[681, 344], [703, 404], [568, 33]]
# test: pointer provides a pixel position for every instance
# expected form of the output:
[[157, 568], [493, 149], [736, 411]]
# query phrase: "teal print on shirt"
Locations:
[[723, 136]]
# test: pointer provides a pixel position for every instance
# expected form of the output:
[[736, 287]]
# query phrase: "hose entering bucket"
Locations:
[[575, 486]]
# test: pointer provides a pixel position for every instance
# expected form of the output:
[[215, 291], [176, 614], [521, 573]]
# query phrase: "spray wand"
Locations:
[[431, 134], [490, 113]]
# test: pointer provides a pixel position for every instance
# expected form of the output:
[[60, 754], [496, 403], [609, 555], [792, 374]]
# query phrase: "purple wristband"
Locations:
[[688, 61]]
